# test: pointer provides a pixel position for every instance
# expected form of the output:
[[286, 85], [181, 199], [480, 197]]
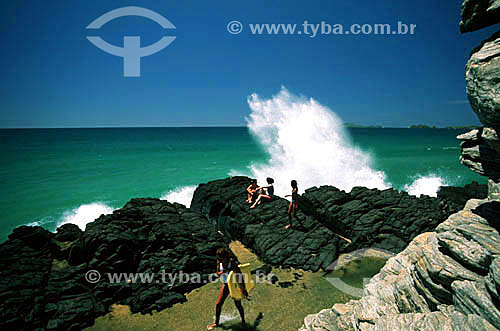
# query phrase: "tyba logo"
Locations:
[[132, 52]]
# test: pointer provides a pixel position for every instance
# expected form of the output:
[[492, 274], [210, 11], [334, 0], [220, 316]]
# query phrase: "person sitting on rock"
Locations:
[[252, 191], [294, 204], [227, 262], [267, 192]]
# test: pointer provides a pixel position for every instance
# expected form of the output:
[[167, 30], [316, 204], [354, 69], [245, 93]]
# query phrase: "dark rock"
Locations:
[[44, 285], [297, 275], [285, 284], [329, 218], [311, 246], [478, 14], [456, 197], [24, 265], [381, 219], [33, 236], [274, 279], [68, 232]]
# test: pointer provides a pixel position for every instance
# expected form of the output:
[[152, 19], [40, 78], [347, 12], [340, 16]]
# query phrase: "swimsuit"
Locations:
[[294, 196], [270, 191], [225, 274]]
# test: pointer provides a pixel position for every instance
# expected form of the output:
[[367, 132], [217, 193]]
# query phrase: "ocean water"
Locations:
[[52, 176]]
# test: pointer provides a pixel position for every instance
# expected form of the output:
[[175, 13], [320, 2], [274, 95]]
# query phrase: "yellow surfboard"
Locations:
[[233, 281]]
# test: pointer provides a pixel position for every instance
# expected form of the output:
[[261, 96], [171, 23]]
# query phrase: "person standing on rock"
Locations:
[[268, 194], [294, 204], [227, 262]]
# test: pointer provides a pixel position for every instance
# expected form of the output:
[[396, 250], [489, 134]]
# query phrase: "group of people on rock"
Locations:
[[227, 261], [258, 194]]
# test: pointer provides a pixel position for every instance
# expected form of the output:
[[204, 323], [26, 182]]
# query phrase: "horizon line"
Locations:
[[347, 125]]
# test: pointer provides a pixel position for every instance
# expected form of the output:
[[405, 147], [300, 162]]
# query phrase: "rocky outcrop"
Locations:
[[456, 197], [371, 218], [44, 284], [482, 75], [481, 148], [444, 280], [310, 246], [481, 152], [368, 217], [493, 189], [49, 279], [478, 14]]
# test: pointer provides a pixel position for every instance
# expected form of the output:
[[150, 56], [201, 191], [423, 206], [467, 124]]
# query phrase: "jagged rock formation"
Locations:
[[43, 285], [482, 74], [481, 148], [444, 280], [457, 197], [481, 151], [447, 279], [371, 218], [310, 247], [478, 14]]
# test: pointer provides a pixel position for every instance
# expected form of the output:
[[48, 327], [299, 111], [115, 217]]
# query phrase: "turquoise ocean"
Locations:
[[52, 176]]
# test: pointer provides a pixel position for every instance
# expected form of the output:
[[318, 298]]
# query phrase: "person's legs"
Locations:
[[290, 206], [295, 207], [256, 201], [239, 306], [223, 293], [255, 195], [260, 199], [264, 198]]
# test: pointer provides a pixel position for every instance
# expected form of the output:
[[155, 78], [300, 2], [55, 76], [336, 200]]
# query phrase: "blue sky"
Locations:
[[52, 76]]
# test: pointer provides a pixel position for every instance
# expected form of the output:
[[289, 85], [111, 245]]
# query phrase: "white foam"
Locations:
[[43, 221], [307, 142], [425, 185], [85, 214], [182, 195]]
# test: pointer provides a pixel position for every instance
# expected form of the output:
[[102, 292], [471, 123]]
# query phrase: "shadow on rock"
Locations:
[[490, 211]]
